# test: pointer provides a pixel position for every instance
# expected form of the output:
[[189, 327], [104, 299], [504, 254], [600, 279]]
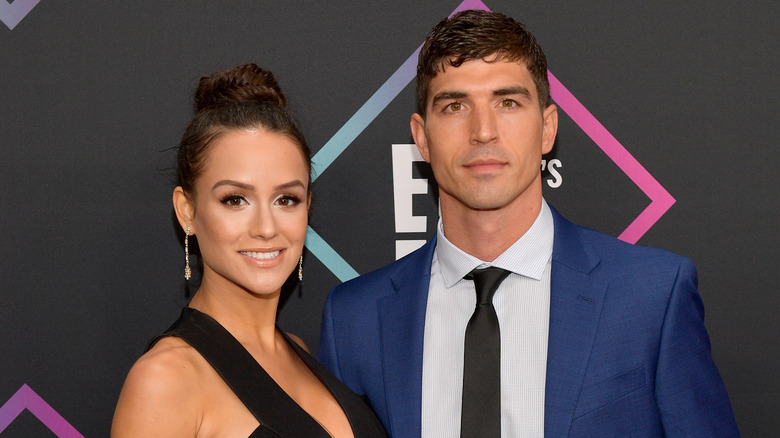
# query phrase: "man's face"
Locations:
[[484, 135]]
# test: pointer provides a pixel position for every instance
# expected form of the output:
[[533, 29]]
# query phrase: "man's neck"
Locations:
[[486, 234]]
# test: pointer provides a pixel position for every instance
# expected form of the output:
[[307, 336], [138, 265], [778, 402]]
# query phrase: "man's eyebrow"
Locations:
[[447, 95], [513, 91]]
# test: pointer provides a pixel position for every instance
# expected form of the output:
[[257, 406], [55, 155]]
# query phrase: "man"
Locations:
[[597, 337]]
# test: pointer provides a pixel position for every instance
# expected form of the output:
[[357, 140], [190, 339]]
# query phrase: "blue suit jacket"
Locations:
[[628, 353]]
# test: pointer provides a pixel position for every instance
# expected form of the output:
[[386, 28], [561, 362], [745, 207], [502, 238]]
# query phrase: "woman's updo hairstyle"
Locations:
[[244, 97]]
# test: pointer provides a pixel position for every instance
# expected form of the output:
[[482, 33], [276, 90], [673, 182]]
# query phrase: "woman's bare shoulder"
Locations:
[[160, 395], [170, 365], [298, 341]]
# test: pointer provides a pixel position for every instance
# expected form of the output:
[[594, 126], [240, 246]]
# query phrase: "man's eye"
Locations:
[[508, 103], [455, 106]]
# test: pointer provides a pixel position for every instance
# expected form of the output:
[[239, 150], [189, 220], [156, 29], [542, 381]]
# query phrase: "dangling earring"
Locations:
[[187, 270], [300, 268]]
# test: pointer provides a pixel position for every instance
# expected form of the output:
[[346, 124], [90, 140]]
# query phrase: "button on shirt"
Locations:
[[522, 303]]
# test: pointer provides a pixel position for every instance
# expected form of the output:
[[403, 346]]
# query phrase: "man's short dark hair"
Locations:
[[476, 34]]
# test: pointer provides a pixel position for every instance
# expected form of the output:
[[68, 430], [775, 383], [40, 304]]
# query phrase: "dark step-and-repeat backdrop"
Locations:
[[667, 138]]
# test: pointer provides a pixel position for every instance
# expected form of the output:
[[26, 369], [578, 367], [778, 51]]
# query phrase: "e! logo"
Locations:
[[405, 186]]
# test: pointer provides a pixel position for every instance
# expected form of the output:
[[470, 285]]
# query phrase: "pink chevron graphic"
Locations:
[[26, 398], [12, 13], [660, 199], [469, 4]]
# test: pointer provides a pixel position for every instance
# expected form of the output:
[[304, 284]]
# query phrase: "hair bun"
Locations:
[[246, 83]]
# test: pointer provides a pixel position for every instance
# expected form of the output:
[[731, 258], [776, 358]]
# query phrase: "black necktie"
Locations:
[[481, 409]]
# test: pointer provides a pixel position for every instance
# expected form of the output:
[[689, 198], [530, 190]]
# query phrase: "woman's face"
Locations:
[[250, 210]]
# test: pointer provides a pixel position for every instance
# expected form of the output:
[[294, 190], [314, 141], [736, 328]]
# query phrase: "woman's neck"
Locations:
[[249, 317]]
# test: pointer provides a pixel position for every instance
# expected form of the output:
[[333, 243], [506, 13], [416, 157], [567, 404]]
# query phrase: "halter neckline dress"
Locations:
[[279, 415]]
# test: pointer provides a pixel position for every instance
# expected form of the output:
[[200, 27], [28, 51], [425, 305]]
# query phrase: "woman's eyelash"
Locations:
[[292, 199], [233, 199], [236, 200]]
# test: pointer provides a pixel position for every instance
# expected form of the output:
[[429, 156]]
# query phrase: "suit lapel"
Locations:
[[402, 325], [575, 305]]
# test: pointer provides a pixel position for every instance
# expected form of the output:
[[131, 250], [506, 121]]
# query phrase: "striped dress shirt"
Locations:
[[522, 303]]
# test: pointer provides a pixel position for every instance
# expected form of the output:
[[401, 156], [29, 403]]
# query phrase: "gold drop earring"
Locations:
[[187, 270], [300, 268]]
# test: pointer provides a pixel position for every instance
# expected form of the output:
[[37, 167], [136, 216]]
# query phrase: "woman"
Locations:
[[224, 369]]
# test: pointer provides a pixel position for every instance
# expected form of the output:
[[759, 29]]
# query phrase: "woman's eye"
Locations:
[[287, 201], [234, 201]]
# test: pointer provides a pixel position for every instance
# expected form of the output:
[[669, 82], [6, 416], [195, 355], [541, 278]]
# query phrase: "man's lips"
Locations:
[[485, 164]]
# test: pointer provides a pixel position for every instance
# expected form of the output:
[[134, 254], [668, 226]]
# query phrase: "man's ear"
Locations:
[[185, 209], [417, 125], [550, 128]]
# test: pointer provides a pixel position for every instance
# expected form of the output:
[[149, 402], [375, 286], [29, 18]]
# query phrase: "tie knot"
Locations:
[[486, 282]]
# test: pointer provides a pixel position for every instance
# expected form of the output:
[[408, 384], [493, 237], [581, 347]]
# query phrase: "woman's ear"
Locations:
[[185, 209]]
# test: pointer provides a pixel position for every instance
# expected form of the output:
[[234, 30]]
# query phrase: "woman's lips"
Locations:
[[261, 255]]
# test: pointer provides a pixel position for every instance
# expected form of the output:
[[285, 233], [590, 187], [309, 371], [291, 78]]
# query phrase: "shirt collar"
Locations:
[[528, 256]]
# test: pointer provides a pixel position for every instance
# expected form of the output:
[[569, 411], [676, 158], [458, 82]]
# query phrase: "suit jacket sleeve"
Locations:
[[691, 396], [327, 350]]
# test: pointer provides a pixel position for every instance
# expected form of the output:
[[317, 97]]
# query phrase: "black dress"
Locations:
[[278, 414]]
